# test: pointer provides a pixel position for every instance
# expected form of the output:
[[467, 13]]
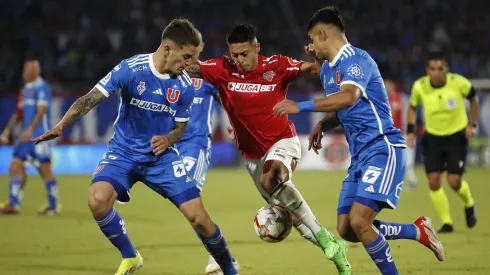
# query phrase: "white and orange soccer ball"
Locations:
[[273, 223]]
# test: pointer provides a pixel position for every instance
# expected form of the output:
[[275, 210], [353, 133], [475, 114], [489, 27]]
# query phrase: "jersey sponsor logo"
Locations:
[[355, 70], [106, 79], [172, 95], [331, 81], [179, 170], [250, 87], [29, 101], [140, 68], [269, 75], [338, 77], [206, 63], [141, 87], [197, 82], [371, 175], [198, 100], [151, 106], [293, 69], [117, 68]]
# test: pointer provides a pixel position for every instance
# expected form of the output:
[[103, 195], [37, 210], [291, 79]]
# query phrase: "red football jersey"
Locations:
[[396, 104], [249, 98], [19, 108]]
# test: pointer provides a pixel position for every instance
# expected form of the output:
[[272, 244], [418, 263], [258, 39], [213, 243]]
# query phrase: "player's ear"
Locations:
[[257, 47], [323, 35]]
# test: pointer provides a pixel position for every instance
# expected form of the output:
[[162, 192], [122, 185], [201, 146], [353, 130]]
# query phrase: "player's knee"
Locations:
[[359, 224], [434, 181], [200, 221], [273, 174], [16, 168], [101, 198], [454, 181]]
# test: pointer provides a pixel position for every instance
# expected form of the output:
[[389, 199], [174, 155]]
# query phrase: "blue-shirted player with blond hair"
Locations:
[[357, 100], [155, 100]]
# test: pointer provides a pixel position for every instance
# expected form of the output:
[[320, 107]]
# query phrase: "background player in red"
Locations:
[[397, 111], [249, 86]]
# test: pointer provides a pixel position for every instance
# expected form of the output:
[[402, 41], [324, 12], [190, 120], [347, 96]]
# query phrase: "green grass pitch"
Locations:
[[72, 243]]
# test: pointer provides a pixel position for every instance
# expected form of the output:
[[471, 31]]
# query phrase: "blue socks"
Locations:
[[395, 231], [113, 227], [380, 253], [52, 191], [216, 246], [15, 190]]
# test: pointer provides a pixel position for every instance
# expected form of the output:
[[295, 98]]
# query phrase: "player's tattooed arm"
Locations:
[[80, 108], [194, 70], [310, 69]]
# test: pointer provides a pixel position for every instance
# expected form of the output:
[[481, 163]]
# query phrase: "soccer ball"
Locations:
[[273, 223]]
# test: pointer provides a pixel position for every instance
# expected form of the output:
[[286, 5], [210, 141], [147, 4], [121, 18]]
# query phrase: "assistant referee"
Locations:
[[447, 132]]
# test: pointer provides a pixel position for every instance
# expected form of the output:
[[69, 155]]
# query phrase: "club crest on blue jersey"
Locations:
[[141, 87]]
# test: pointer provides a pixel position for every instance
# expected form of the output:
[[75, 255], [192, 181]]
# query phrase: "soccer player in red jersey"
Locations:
[[396, 104], [249, 86]]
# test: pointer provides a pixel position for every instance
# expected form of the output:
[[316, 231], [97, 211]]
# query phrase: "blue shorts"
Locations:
[[166, 176], [197, 159], [36, 154], [375, 180]]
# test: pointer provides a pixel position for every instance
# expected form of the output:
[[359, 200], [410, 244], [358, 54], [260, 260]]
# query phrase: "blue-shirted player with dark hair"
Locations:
[[357, 100], [155, 100], [36, 117], [195, 145]]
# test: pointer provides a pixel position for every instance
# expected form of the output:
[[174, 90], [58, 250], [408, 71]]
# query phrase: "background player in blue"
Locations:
[[195, 145], [357, 99], [36, 110], [155, 102]]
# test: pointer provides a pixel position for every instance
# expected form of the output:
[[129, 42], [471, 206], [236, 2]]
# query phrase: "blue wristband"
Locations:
[[306, 106]]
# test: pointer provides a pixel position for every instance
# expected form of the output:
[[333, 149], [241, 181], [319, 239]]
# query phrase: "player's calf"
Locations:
[[100, 201], [345, 230], [209, 233], [361, 219]]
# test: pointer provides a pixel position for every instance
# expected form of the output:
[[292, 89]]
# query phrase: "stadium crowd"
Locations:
[[77, 42]]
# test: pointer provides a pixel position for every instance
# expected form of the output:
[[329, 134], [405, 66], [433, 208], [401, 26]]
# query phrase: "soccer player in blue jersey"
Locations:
[[195, 145], [155, 99], [36, 109], [357, 100]]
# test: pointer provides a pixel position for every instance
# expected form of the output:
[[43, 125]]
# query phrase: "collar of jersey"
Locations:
[[36, 82], [337, 57], [155, 71]]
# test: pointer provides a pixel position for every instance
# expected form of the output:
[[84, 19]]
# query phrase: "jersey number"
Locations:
[[172, 95]]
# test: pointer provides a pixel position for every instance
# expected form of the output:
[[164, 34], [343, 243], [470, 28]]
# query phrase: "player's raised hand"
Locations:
[[310, 50], [159, 144], [315, 139], [286, 107], [4, 137], [51, 134]]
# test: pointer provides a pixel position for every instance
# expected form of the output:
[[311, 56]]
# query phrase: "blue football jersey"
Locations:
[[369, 120], [35, 94], [149, 104], [199, 125]]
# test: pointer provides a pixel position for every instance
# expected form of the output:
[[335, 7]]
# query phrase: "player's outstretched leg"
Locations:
[[361, 220], [16, 173], [51, 190], [208, 232], [101, 199], [275, 180]]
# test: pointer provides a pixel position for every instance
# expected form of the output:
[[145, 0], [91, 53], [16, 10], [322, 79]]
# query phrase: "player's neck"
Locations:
[[335, 46], [160, 62]]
